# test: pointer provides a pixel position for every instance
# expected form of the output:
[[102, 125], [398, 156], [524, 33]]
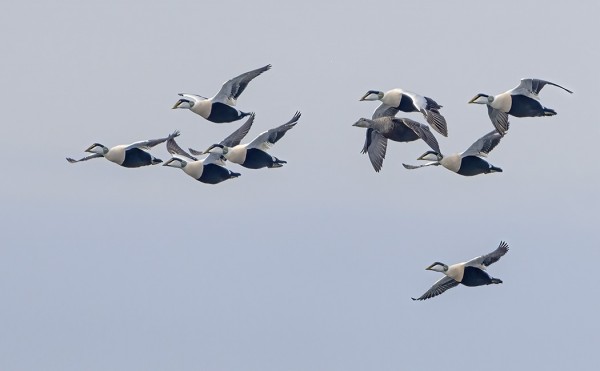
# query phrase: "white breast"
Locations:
[[456, 271], [392, 97], [237, 154], [194, 169], [202, 108], [502, 102], [451, 162], [116, 154]]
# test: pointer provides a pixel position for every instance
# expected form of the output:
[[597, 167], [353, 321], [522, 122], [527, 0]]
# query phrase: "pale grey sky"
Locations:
[[311, 266]]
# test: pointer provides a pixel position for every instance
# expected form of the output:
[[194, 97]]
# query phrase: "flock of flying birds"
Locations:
[[521, 101]]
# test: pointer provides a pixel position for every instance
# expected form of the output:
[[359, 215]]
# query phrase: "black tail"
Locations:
[[549, 112], [234, 175], [156, 160], [496, 281], [494, 169], [277, 162]]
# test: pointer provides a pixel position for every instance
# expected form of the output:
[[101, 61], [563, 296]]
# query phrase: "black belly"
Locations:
[[523, 106], [213, 174], [221, 112], [475, 277], [257, 159], [473, 165], [406, 104], [136, 157]]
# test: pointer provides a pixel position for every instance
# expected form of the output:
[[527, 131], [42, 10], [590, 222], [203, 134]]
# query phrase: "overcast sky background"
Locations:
[[310, 266]]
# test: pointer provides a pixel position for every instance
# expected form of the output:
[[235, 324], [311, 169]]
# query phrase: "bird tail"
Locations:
[[277, 162], [549, 112], [156, 161], [496, 281], [244, 114], [234, 175], [494, 169]]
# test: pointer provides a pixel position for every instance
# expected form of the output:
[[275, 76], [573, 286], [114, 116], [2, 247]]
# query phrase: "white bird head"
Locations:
[[98, 149], [372, 95], [482, 99], [183, 103], [218, 149], [437, 267], [176, 162], [431, 156]]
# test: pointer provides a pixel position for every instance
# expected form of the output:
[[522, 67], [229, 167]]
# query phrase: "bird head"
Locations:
[[482, 99], [183, 103], [175, 162], [97, 148], [372, 95], [437, 267], [218, 149], [362, 123], [431, 156]]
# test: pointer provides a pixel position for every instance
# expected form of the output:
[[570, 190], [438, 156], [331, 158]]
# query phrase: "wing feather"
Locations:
[[438, 288]]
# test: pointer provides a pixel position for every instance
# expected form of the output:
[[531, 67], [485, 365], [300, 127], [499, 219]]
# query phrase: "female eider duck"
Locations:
[[471, 273], [126, 155], [221, 107], [467, 163], [253, 155], [406, 101], [209, 170], [384, 126], [521, 101]]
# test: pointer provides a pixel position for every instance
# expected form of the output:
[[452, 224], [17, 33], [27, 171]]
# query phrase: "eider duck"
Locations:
[[126, 155], [467, 163], [471, 273], [253, 155], [521, 101], [407, 101], [383, 126], [210, 170], [221, 107]]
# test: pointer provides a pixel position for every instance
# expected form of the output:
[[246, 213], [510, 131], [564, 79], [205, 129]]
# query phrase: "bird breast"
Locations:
[[456, 271], [451, 162], [237, 154], [392, 98], [502, 102], [194, 169], [202, 108], [116, 154]]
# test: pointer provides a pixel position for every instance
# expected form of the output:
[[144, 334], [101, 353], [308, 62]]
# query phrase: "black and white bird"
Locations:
[[521, 101], [407, 101], [210, 170], [221, 107], [252, 155], [471, 273], [467, 163], [383, 126], [126, 155]]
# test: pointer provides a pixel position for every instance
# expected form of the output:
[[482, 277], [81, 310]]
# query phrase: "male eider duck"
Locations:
[[221, 107], [253, 155], [209, 170], [383, 126], [467, 163], [126, 155], [521, 101], [407, 101], [471, 273]]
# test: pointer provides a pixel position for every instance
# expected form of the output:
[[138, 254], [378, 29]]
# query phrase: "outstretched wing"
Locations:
[[95, 155], [534, 86], [375, 146], [499, 119], [423, 132], [385, 111], [146, 144], [484, 145], [236, 137], [438, 288], [232, 89], [412, 167], [174, 149], [267, 138], [491, 258]]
